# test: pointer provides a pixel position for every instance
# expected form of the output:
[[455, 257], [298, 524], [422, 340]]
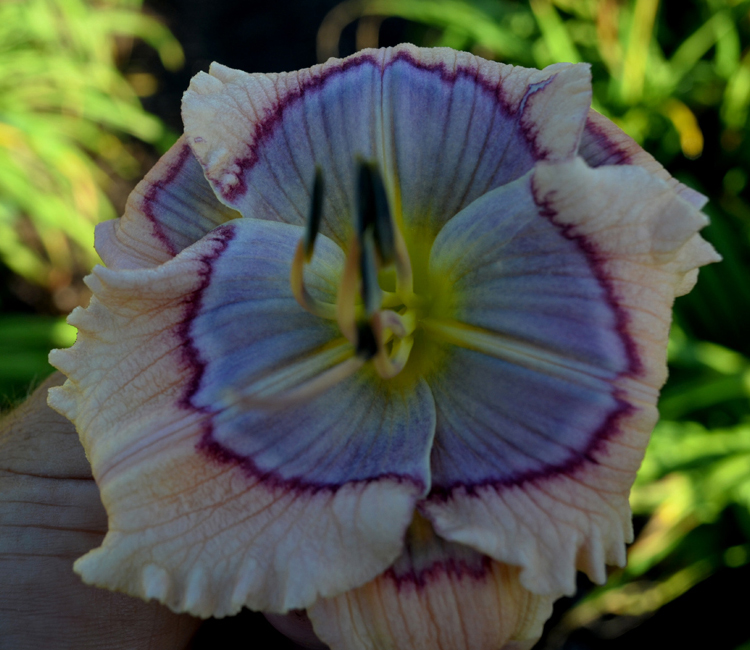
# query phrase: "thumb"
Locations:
[[51, 514]]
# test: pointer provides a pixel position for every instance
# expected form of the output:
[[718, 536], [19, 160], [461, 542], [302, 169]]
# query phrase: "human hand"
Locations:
[[50, 515]]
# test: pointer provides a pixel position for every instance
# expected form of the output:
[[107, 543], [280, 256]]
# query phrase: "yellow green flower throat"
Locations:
[[379, 324]]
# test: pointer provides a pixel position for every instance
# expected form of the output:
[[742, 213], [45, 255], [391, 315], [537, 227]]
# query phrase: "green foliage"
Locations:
[[66, 116], [647, 87], [693, 487], [676, 77], [25, 342]]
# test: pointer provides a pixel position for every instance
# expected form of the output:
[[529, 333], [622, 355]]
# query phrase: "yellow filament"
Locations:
[[307, 390], [299, 381], [391, 299], [346, 313], [400, 324], [389, 366], [306, 301], [404, 273]]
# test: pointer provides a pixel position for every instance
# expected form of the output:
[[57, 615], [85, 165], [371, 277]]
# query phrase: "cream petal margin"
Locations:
[[450, 610], [644, 239], [604, 143], [198, 535], [227, 113], [171, 208]]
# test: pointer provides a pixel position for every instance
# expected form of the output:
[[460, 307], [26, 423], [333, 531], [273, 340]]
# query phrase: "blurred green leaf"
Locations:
[[480, 22], [64, 108], [25, 342], [554, 32]]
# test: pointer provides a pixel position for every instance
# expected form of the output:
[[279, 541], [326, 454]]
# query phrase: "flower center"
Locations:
[[380, 324]]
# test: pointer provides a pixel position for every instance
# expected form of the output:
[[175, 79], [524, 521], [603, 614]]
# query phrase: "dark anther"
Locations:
[[371, 294], [365, 199], [373, 211], [316, 212], [367, 345]]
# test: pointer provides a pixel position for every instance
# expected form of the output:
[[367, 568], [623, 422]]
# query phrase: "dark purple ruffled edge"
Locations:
[[150, 199], [452, 568], [266, 127], [609, 152], [611, 427]]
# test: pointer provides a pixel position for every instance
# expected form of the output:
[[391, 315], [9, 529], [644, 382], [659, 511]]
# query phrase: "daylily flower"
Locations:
[[381, 340]]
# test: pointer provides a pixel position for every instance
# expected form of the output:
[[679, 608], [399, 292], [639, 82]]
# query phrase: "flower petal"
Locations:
[[604, 143], [259, 137], [249, 330], [171, 208], [514, 272], [203, 515], [543, 419], [461, 126], [437, 596]]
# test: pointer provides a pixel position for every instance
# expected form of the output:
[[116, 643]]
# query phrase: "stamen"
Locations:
[[371, 292], [390, 299], [315, 215], [346, 301], [374, 211], [367, 341], [404, 275], [304, 252], [400, 324], [305, 391], [366, 208], [303, 297], [368, 317]]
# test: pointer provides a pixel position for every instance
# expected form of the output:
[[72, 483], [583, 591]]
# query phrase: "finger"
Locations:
[[36, 440], [50, 514]]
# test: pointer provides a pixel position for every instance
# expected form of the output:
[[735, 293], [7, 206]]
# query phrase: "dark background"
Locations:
[[254, 36]]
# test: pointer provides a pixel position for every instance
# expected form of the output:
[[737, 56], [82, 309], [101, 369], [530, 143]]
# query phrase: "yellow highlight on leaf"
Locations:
[[143, 83], [684, 120], [637, 52], [10, 137]]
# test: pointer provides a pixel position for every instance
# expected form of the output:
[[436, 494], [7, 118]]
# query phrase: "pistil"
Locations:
[[375, 213], [301, 381]]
